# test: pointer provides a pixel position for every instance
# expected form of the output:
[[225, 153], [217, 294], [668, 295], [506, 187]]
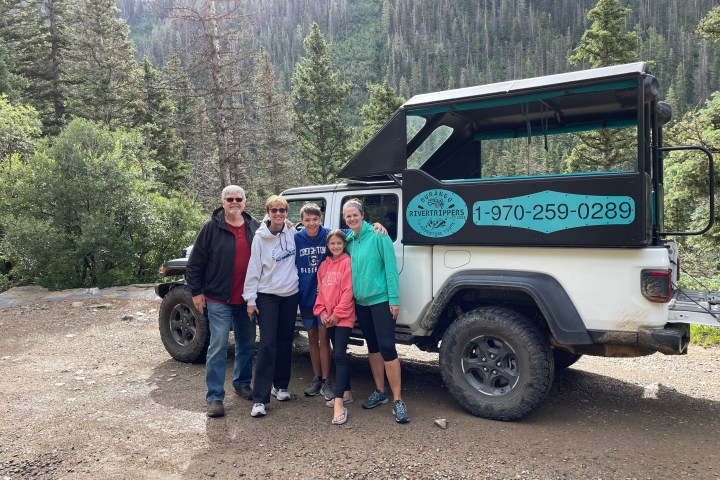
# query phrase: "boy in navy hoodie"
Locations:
[[310, 251]]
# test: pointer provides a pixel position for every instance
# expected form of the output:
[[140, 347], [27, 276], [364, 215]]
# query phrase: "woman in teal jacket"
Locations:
[[375, 287]]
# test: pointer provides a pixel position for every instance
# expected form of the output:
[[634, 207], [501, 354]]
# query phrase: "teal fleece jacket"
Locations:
[[374, 269]]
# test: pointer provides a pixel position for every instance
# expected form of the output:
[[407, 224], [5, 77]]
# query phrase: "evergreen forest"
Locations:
[[121, 120]]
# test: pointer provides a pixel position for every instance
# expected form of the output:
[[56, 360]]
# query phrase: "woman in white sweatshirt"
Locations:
[[271, 293]]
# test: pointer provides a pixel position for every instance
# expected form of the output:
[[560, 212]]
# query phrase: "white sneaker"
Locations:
[[281, 394], [258, 410]]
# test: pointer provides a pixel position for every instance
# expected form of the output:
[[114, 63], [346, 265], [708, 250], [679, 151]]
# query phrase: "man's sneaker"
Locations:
[[376, 398], [400, 411], [281, 394], [215, 408], [327, 390], [258, 410], [314, 388]]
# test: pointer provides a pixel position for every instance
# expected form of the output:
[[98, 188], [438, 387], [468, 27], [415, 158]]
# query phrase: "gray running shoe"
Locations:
[[314, 388], [400, 411], [327, 390], [376, 398], [281, 394]]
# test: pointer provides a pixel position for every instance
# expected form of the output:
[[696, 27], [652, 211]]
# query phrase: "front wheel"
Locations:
[[496, 363], [184, 331]]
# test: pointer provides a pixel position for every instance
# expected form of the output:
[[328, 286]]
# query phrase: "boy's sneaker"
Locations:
[[376, 398], [314, 388], [400, 411], [258, 410], [327, 390], [280, 393]]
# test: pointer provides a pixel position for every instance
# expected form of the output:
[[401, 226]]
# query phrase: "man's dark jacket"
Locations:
[[210, 267]]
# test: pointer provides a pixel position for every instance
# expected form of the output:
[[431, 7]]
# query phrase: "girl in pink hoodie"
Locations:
[[336, 308]]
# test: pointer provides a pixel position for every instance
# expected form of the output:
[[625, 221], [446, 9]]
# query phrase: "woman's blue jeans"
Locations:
[[221, 317]]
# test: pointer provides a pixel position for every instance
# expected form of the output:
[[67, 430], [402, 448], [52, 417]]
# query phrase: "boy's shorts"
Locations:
[[309, 320]]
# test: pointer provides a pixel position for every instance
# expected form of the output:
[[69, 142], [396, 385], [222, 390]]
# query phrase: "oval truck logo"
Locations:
[[436, 213]]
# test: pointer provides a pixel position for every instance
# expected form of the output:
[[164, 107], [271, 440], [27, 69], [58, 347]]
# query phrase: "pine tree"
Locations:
[[317, 100], [36, 32], [604, 44], [11, 84], [101, 72], [154, 117], [275, 165], [382, 104], [193, 126]]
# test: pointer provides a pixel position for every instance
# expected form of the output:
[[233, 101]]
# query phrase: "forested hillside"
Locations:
[[422, 45], [127, 117]]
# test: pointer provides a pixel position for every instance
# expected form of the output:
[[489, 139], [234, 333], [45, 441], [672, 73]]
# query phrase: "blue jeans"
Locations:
[[221, 317]]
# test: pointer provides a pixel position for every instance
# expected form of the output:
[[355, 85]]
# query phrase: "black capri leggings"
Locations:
[[378, 328], [340, 337]]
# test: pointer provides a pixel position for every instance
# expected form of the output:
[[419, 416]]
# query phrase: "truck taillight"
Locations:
[[656, 285]]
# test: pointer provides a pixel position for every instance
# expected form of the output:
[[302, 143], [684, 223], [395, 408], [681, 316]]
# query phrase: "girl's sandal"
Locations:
[[341, 419]]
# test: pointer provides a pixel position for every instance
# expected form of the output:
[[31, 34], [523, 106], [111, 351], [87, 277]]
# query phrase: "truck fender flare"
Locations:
[[562, 317], [161, 289]]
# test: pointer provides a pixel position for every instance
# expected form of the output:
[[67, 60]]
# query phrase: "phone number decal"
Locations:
[[551, 211]]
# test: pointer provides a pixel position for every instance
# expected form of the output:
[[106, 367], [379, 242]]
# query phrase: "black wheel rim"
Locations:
[[183, 325], [490, 365]]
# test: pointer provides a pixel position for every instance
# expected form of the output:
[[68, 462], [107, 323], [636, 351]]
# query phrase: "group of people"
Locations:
[[245, 271]]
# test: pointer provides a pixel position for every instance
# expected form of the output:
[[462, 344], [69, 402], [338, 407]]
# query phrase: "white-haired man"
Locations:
[[216, 274]]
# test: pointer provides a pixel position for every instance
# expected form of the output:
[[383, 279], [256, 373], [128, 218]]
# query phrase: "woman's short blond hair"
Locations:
[[275, 201]]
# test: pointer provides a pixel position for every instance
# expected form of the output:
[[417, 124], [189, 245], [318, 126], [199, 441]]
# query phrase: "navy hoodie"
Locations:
[[309, 254]]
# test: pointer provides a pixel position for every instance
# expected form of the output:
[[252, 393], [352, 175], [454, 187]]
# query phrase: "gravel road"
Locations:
[[89, 392]]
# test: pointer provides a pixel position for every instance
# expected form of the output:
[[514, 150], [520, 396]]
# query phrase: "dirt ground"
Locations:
[[89, 392]]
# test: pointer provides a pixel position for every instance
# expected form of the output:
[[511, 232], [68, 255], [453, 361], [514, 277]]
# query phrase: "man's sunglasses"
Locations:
[[232, 199], [276, 210]]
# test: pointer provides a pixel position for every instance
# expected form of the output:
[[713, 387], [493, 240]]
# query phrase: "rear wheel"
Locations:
[[496, 363], [183, 330]]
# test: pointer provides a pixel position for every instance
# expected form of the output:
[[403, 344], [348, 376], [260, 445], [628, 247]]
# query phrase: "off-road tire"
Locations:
[[183, 330], [564, 359], [496, 363]]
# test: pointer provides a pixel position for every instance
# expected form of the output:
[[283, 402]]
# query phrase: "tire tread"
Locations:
[[495, 321]]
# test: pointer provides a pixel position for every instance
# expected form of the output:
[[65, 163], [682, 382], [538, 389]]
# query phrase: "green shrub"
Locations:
[[704, 335], [88, 212]]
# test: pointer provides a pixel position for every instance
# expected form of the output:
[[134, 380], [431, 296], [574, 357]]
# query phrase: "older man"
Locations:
[[216, 274]]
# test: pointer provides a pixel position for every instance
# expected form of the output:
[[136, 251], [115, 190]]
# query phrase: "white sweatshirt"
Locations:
[[272, 264]]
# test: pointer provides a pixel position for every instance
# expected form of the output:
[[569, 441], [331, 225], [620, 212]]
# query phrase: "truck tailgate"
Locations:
[[697, 307]]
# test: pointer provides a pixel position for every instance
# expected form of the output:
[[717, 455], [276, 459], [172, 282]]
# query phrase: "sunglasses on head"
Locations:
[[276, 210], [234, 199]]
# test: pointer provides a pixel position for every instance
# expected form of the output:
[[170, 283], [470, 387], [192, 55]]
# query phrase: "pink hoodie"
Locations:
[[335, 293]]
